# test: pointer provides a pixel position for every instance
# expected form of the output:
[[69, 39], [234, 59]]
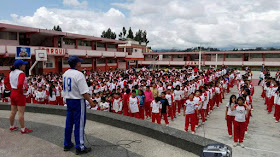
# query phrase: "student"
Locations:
[[218, 94], [156, 107], [170, 100], [230, 115], [177, 98], [104, 106], [117, 104], [133, 105], [277, 106], [241, 113], [198, 101], [164, 109], [148, 100], [40, 96], [141, 97], [52, 97], [190, 108], [125, 102]]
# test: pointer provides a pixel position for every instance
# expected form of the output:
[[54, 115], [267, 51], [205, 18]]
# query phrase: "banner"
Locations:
[[23, 53]]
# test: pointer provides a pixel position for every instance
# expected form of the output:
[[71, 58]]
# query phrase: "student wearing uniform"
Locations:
[[148, 100], [133, 105], [198, 101], [190, 108], [177, 98], [52, 96], [230, 115], [155, 108], [164, 108], [104, 106], [76, 93], [15, 81], [117, 104], [170, 100], [241, 112], [141, 97]]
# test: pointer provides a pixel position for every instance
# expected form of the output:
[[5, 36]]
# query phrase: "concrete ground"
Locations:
[[47, 140]]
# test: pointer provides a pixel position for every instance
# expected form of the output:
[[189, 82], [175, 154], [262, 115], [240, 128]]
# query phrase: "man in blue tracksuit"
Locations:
[[76, 93]]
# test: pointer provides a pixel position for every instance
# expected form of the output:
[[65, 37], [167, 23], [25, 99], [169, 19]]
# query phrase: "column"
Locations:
[[76, 44], [106, 47]]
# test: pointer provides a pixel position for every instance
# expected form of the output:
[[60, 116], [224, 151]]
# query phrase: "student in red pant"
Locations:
[[190, 108], [156, 107], [170, 100], [133, 105], [230, 115], [164, 108], [241, 113]]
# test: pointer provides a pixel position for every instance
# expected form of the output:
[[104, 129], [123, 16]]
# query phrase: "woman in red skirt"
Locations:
[[15, 81]]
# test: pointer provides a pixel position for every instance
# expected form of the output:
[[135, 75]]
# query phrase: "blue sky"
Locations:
[[169, 24]]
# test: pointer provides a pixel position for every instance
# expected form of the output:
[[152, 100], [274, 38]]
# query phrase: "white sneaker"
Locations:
[[234, 144], [167, 125], [203, 123], [193, 132], [179, 114], [273, 118], [230, 136], [242, 145], [276, 121], [252, 109], [196, 126], [246, 132]]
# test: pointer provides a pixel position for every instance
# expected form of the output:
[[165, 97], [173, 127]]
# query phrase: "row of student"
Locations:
[[238, 110], [271, 95]]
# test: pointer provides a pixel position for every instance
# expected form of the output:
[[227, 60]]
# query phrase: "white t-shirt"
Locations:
[[133, 104], [177, 94], [104, 105], [156, 106], [74, 84], [190, 106], [240, 113], [229, 112]]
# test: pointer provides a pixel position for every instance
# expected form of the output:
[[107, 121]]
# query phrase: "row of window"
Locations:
[[208, 56], [67, 41], [8, 35]]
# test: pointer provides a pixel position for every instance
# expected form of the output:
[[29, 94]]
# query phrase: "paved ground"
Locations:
[[47, 140]]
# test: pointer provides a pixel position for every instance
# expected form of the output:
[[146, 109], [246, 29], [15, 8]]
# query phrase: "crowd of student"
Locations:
[[164, 94]]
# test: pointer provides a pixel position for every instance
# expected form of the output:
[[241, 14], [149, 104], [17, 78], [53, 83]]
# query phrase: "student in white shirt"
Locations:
[[133, 105], [177, 98], [104, 106], [241, 113], [230, 114], [156, 106], [190, 108]]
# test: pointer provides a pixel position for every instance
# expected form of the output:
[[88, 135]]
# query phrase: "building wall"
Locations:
[[9, 42]]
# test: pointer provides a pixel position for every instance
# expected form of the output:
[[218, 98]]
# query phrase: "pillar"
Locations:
[[106, 47], [55, 41], [171, 57], [76, 44]]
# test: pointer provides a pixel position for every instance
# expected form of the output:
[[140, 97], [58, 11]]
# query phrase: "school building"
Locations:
[[97, 53]]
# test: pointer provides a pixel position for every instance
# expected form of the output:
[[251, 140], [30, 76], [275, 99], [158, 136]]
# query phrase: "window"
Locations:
[[49, 65], [8, 35], [7, 61], [272, 55], [178, 56], [166, 56], [84, 43], [112, 61], [100, 61], [255, 55], [69, 41], [87, 61], [194, 57], [112, 46], [234, 56], [129, 51], [100, 44]]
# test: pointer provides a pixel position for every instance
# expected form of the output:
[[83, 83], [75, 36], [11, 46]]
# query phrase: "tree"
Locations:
[[123, 31], [130, 34], [144, 37], [109, 34], [138, 36], [57, 28]]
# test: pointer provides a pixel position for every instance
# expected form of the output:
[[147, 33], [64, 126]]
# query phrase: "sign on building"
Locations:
[[23, 53]]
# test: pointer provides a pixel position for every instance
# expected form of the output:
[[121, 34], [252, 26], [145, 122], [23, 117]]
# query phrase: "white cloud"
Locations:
[[176, 23], [75, 3]]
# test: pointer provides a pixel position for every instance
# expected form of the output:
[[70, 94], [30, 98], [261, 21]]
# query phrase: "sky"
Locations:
[[178, 24]]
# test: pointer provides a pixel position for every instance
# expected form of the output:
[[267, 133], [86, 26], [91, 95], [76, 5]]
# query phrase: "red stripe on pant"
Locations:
[[164, 115], [141, 112], [269, 104], [248, 121], [239, 131], [174, 108], [218, 99], [148, 108], [277, 112], [170, 111], [190, 118], [202, 113], [230, 120], [196, 117], [155, 116], [178, 103], [136, 115], [125, 110]]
